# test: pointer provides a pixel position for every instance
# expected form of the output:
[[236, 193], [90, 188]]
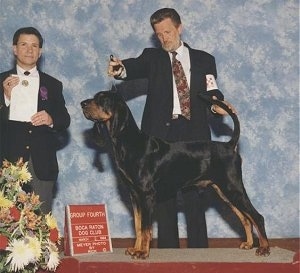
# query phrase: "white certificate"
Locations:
[[24, 99]]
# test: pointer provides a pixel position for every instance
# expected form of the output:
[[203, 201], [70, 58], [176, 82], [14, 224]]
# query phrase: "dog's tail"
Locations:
[[236, 124]]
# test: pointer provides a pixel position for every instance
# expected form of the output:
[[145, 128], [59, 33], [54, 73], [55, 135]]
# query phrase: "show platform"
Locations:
[[184, 260]]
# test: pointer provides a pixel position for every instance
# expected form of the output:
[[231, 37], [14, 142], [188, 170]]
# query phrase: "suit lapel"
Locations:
[[166, 70], [42, 102]]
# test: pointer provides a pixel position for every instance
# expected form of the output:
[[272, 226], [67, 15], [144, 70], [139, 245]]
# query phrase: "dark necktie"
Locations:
[[26, 73], [182, 87]]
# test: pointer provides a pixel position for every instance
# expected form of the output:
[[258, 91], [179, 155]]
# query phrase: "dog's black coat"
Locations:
[[148, 164]]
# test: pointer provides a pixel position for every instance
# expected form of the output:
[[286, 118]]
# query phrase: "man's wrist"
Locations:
[[123, 73], [212, 109]]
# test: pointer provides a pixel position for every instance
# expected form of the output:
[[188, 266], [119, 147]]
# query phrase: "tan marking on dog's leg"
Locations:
[[138, 232], [147, 237], [264, 248], [244, 220], [144, 252], [141, 249], [203, 183], [138, 228]]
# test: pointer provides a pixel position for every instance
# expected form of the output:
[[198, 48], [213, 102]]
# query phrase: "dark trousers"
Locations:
[[194, 210], [45, 189], [194, 202]]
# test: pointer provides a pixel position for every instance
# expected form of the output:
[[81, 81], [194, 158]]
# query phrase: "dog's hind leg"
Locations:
[[263, 249], [243, 203], [244, 220], [248, 222], [236, 193]]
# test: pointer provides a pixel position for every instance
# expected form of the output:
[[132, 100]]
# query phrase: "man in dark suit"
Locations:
[[163, 116], [34, 139]]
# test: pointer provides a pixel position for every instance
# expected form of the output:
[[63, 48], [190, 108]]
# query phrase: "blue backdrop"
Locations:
[[256, 45]]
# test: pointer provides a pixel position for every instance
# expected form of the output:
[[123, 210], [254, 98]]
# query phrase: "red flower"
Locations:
[[3, 242], [53, 235], [15, 213]]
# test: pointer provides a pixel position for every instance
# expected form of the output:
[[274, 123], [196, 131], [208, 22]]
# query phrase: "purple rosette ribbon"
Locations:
[[44, 93]]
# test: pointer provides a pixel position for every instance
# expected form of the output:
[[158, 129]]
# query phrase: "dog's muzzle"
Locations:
[[85, 103], [85, 108]]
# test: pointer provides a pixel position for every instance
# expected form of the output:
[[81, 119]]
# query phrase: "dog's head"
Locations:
[[100, 108], [107, 107]]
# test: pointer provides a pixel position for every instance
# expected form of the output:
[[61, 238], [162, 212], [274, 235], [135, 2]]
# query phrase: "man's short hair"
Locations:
[[28, 30], [163, 14]]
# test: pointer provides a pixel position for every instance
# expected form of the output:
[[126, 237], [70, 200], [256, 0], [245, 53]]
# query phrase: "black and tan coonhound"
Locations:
[[144, 162]]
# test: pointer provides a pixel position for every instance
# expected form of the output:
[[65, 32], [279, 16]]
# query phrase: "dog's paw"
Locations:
[[246, 245], [263, 251], [137, 254]]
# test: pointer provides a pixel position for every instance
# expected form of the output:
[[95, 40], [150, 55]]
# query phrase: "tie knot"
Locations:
[[174, 53], [26, 73]]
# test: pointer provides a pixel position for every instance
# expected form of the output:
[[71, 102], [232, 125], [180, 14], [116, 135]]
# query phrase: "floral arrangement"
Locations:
[[28, 238]]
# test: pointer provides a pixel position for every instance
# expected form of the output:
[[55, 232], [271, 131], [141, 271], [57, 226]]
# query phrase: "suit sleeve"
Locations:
[[4, 110], [212, 69], [138, 68]]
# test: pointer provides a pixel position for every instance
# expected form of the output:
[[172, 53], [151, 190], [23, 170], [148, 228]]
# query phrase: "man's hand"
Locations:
[[115, 67], [41, 118], [218, 110], [8, 84]]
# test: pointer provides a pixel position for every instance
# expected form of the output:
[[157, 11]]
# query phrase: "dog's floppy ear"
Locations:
[[98, 135], [120, 116]]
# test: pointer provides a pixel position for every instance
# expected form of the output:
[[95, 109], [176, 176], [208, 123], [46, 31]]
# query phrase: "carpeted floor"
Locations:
[[278, 255]]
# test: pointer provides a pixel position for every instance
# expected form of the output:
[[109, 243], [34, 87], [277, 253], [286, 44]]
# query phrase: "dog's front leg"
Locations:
[[138, 230], [146, 239], [146, 222], [143, 229]]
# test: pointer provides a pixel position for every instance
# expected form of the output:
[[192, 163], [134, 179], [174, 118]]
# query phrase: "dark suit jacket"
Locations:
[[22, 139], [154, 64]]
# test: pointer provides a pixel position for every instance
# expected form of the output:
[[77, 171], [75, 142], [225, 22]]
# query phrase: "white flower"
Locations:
[[29, 248], [35, 246], [20, 255], [53, 256]]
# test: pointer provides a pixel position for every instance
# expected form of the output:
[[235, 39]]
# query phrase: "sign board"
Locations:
[[86, 230]]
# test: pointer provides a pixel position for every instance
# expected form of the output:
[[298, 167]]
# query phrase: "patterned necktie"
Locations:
[[182, 86]]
